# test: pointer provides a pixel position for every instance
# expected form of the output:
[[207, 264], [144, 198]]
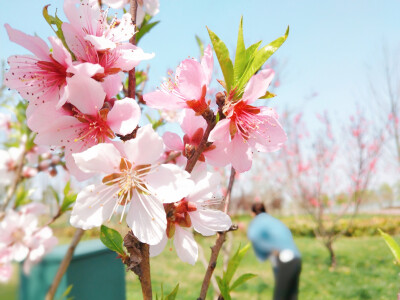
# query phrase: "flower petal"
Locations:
[[101, 158], [208, 222], [190, 79], [207, 62], [86, 94], [146, 217], [172, 141], [124, 116], [240, 152], [162, 100], [146, 148], [170, 183], [258, 85], [185, 245], [93, 206], [33, 43], [157, 249], [220, 131]]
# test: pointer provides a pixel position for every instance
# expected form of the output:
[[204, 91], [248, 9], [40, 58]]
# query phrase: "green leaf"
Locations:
[[22, 196], [66, 293], [223, 287], [67, 202], [112, 239], [260, 57], [200, 44], [240, 57], [392, 244], [172, 295], [141, 76], [223, 58], [242, 279], [268, 95], [145, 29], [58, 23], [234, 262]]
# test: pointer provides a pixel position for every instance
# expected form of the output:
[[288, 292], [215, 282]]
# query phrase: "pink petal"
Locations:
[[59, 53], [157, 249], [129, 56], [138, 150], [100, 43], [162, 100], [124, 31], [74, 170], [116, 4], [124, 116], [112, 85], [169, 183], [173, 141], [75, 42], [86, 94], [205, 186], [218, 157], [146, 217], [86, 69], [220, 131], [33, 43], [241, 156], [101, 158], [185, 245], [191, 122], [93, 206], [209, 222], [207, 62], [190, 79], [258, 85]]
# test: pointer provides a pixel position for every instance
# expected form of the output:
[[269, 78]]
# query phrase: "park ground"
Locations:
[[365, 271]]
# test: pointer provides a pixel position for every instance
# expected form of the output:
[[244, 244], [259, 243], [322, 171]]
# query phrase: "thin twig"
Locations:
[[64, 264], [131, 74], [17, 179], [218, 243]]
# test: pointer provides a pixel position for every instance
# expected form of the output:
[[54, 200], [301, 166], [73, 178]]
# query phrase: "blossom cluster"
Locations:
[[22, 239], [77, 104]]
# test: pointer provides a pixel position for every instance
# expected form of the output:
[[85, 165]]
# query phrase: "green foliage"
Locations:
[[145, 27], [67, 291], [200, 44], [224, 283], [69, 198], [247, 61], [392, 244], [22, 196], [170, 296], [58, 30], [225, 62], [155, 123], [112, 239], [141, 77]]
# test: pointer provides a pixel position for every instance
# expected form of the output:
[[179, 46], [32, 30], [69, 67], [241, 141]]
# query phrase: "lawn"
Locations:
[[365, 271]]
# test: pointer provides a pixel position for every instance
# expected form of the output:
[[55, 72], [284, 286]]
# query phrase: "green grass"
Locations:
[[365, 271]]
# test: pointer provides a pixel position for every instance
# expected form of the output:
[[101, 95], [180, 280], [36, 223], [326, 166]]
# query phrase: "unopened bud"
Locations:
[[55, 160], [53, 172], [220, 99]]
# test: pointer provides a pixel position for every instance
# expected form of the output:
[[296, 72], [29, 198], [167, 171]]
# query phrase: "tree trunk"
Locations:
[[332, 254]]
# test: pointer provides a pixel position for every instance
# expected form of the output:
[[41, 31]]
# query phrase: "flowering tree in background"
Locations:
[[327, 176], [83, 103]]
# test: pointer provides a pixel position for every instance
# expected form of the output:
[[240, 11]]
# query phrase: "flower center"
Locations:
[[96, 129], [129, 179], [178, 214], [18, 235]]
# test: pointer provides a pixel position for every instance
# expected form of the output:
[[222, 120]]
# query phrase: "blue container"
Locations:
[[95, 272]]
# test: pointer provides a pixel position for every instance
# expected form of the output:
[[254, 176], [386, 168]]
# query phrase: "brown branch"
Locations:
[[64, 264], [131, 74], [218, 243], [138, 262]]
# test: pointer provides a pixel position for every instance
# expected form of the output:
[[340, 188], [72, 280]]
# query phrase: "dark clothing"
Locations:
[[287, 277], [272, 239]]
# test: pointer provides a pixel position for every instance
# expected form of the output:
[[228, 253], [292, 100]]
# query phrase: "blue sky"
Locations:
[[330, 47]]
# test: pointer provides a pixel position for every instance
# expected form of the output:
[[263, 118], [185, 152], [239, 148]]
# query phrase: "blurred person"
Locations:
[[272, 239]]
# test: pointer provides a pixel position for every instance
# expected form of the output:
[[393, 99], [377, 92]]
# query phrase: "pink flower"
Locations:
[[8, 164], [83, 122], [42, 77], [193, 210], [93, 40], [193, 127], [23, 239], [189, 88], [246, 127], [132, 176], [5, 265], [150, 7]]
